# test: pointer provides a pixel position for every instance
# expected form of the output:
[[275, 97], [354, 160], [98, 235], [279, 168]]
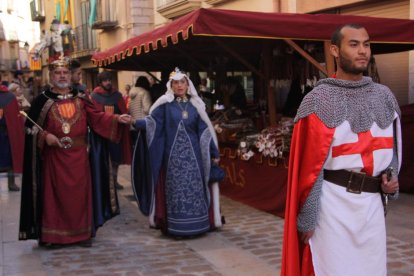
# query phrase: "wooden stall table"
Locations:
[[259, 182]]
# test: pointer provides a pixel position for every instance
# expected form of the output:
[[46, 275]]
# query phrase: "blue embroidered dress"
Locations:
[[180, 147]]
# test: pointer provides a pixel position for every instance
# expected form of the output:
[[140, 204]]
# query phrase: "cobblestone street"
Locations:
[[249, 244]]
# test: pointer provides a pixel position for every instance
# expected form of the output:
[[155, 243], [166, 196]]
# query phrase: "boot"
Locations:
[[12, 185]]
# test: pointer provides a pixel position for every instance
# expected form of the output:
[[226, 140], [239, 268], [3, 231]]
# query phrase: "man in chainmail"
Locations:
[[347, 135]]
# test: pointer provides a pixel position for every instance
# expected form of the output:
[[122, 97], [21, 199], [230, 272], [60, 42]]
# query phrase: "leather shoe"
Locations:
[[13, 187]]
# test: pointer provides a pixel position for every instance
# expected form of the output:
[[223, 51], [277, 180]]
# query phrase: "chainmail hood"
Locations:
[[361, 103]]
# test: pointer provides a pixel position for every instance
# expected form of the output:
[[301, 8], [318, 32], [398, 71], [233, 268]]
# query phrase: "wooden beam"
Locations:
[[267, 60], [239, 58], [306, 56], [329, 59], [153, 77]]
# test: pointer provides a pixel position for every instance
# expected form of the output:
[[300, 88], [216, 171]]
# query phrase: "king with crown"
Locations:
[[61, 203]]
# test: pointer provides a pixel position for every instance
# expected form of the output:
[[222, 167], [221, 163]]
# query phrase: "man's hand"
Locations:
[[124, 119], [305, 236], [52, 140], [389, 186]]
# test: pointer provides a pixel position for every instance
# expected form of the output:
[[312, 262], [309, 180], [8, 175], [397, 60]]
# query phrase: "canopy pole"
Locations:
[[239, 58], [329, 59], [306, 56], [271, 106], [152, 76]]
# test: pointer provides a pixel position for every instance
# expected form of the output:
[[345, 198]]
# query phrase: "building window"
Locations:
[[85, 36]]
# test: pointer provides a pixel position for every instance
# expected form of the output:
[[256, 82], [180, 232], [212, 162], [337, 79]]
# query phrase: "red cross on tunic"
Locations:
[[365, 146]]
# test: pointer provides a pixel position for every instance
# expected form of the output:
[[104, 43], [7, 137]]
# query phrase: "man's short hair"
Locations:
[[103, 76], [74, 64], [337, 36]]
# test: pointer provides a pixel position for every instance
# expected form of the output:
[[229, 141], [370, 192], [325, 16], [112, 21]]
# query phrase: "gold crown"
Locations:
[[176, 71], [59, 63]]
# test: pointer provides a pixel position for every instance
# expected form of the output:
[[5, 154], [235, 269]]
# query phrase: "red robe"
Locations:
[[311, 140], [15, 131], [125, 138], [67, 196]]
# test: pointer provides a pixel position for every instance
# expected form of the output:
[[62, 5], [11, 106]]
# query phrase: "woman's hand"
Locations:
[[215, 161], [124, 119]]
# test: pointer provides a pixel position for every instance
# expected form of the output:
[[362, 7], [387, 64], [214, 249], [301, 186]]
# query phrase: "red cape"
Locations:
[[15, 131], [125, 138], [309, 148]]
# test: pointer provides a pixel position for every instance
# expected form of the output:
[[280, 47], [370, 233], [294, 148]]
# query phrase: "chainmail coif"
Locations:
[[361, 103]]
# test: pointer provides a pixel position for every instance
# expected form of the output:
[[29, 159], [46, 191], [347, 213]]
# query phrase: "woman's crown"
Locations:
[[176, 72]]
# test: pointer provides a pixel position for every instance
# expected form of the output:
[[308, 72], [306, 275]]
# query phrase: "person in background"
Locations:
[[140, 102], [19, 79], [76, 71], [234, 95], [173, 158], [16, 89], [344, 159], [61, 204], [11, 137], [158, 88], [127, 98], [108, 99]]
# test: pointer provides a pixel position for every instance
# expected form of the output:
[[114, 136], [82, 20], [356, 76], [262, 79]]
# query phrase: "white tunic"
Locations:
[[350, 237]]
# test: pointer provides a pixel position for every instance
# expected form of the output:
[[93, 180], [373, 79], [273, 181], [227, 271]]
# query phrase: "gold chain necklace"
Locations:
[[67, 123], [184, 112]]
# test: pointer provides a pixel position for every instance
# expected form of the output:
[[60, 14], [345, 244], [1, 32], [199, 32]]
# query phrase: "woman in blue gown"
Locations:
[[172, 160]]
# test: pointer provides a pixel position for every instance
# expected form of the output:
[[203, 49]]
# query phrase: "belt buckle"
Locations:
[[67, 142], [350, 188]]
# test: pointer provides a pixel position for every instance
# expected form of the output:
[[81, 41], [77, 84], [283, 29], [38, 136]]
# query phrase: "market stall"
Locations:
[[222, 41]]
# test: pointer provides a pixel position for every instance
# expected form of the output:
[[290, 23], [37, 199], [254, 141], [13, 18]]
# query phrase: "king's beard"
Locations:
[[61, 85]]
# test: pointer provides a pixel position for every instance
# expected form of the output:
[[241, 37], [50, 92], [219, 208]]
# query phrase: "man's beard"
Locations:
[[346, 66], [107, 88], [61, 85]]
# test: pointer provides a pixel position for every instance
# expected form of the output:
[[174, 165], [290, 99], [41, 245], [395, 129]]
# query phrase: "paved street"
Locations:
[[249, 244]]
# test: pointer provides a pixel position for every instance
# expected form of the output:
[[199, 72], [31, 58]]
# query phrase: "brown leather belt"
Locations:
[[78, 141], [354, 182]]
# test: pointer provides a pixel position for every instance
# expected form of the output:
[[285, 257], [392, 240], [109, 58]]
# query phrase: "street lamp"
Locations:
[[26, 46]]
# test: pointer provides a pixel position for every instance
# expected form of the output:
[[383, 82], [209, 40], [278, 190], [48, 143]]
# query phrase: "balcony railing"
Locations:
[[8, 64], [36, 9], [5, 64], [85, 40], [105, 15]]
